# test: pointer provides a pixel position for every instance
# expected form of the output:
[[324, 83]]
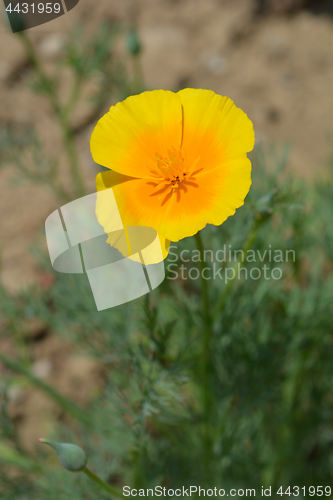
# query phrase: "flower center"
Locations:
[[173, 172]]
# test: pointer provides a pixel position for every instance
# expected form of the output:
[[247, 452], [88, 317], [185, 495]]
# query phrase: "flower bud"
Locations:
[[133, 43], [72, 457]]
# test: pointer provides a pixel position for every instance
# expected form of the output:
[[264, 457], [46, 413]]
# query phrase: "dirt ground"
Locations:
[[277, 67]]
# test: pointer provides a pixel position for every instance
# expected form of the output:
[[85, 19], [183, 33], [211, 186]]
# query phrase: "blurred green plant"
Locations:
[[270, 351]]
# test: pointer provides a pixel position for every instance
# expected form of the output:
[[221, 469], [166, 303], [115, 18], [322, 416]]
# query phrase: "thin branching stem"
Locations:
[[207, 358], [61, 114], [65, 403], [247, 245], [110, 489]]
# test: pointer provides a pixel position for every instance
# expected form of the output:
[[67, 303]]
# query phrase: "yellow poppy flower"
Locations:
[[178, 161]]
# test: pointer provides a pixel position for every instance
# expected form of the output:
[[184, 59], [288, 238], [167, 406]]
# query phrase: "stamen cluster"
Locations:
[[171, 171]]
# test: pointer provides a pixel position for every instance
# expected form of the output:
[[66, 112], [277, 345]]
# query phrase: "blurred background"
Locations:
[[274, 58]]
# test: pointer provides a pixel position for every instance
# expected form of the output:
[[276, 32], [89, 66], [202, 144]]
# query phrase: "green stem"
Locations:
[[69, 145], [138, 81], [110, 489], [73, 96], [62, 116], [207, 359], [204, 288], [35, 62], [66, 404]]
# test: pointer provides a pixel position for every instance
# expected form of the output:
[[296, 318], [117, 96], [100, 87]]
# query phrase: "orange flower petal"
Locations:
[[214, 129], [128, 136], [210, 199], [122, 184]]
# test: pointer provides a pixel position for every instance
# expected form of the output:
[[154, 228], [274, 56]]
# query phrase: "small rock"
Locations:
[[52, 46], [216, 64], [15, 394], [42, 368]]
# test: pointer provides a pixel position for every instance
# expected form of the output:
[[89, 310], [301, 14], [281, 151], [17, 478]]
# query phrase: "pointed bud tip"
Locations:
[[44, 441]]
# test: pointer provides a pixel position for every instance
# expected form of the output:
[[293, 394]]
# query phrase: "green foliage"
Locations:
[[21, 148], [271, 370]]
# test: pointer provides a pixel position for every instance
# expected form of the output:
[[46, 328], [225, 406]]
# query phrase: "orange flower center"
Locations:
[[173, 172]]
